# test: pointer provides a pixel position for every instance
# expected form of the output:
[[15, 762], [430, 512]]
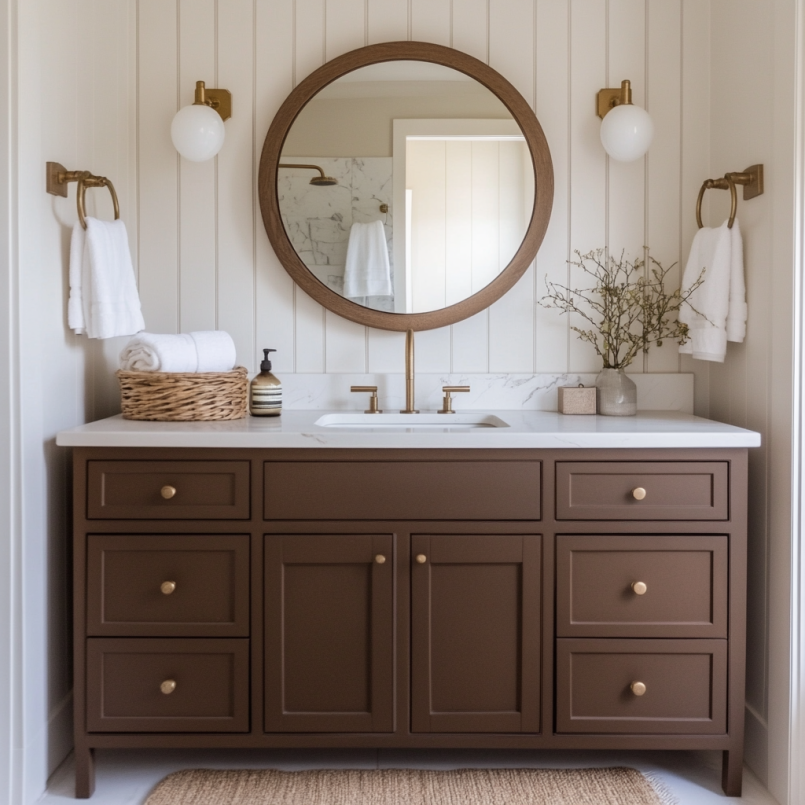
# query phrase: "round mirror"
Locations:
[[405, 185]]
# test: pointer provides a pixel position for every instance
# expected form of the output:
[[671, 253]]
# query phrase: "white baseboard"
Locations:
[[756, 745], [47, 750]]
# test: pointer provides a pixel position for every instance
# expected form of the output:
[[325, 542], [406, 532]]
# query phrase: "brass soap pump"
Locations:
[[265, 391]]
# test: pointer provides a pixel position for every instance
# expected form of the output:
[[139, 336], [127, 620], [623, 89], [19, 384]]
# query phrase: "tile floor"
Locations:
[[126, 777]]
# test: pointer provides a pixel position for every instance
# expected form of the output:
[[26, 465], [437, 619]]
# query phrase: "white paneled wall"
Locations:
[[205, 260], [752, 388], [73, 86], [469, 213]]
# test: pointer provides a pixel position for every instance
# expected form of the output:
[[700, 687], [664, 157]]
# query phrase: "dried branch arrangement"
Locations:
[[628, 308]]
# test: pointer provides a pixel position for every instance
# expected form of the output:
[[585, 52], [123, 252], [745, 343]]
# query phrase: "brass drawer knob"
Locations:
[[167, 492], [167, 587], [380, 559], [168, 686], [639, 587], [638, 688], [421, 558], [639, 493]]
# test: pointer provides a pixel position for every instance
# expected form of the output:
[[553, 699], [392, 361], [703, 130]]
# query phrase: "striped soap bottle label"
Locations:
[[266, 397]]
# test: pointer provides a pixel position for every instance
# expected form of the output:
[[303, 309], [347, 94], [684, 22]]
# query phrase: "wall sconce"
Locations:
[[627, 130], [198, 130]]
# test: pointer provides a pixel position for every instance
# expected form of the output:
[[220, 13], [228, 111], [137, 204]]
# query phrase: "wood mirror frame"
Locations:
[[405, 51]]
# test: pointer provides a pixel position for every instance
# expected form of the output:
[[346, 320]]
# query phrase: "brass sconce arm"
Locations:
[[218, 99], [609, 98]]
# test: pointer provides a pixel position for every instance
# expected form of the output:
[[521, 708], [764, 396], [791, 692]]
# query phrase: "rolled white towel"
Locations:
[[205, 351], [216, 351]]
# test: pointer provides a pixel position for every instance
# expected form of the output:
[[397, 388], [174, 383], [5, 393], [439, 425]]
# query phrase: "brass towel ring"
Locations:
[[718, 184], [88, 180]]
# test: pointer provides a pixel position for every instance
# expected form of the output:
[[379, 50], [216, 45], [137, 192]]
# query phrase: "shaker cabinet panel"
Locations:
[[475, 633], [641, 586], [638, 490], [641, 686], [168, 585], [329, 633], [167, 685], [168, 490], [402, 490]]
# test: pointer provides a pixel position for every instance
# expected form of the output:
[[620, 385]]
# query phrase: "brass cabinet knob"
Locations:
[[380, 559], [167, 492], [168, 686], [421, 558], [639, 587], [639, 493], [638, 688], [167, 587]]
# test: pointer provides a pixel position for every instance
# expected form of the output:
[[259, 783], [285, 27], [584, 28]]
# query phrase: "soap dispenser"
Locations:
[[265, 391]]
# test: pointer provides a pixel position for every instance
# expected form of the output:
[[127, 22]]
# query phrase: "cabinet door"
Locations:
[[475, 633], [329, 633]]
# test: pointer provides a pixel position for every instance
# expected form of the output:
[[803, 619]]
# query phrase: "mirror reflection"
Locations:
[[405, 186]]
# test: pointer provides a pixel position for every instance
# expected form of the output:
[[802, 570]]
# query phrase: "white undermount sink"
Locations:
[[407, 422]]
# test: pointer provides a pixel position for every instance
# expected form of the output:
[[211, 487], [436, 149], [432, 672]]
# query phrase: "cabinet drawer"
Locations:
[[161, 586], [685, 686], [125, 678], [133, 490], [605, 490], [683, 591], [402, 490]]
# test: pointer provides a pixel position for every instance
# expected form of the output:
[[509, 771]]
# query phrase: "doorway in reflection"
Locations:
[[468, 202]]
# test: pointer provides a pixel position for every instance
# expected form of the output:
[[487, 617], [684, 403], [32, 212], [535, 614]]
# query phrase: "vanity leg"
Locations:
[[84, 772], [732, 763]]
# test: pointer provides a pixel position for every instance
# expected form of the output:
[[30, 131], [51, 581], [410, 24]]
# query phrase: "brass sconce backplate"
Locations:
[[610, 97], [607, 99], [221, 101]]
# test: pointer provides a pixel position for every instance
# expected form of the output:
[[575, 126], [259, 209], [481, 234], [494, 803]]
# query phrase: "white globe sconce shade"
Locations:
[[198, 131], [626, 130]]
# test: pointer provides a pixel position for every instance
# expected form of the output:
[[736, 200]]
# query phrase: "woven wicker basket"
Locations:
[[184, 396]]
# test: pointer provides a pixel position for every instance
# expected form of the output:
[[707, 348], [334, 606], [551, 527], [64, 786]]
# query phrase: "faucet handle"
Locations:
[[447, 403], [373, 409]]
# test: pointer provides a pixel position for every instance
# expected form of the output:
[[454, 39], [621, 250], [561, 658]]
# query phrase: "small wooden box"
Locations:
[[576, 400]]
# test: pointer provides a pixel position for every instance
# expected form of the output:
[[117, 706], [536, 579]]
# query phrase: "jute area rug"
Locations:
[[614, 786]]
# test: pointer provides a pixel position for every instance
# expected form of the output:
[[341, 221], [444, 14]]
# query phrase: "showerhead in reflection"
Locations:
[[316, 181]]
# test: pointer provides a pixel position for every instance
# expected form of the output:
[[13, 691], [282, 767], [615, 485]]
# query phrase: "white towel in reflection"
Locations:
[[721, 298], [367, 271], [103, 292], [204, 351]]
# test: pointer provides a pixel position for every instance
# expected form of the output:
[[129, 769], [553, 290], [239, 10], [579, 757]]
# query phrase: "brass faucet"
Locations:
[[409, 374]]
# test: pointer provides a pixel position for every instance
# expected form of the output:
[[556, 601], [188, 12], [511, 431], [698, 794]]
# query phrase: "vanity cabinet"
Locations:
[[329, 633], [420, 598], [475, 633]]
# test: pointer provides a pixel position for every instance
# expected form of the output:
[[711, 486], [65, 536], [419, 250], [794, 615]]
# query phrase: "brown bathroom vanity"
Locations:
[[529, 598]]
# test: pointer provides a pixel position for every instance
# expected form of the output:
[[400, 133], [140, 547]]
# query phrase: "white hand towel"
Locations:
[[367, 271], [75, 304], [205, 351], [736, 318], [720, 299], [103, 293]]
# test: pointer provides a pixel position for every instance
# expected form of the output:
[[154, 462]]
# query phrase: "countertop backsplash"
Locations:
[[536, 392]]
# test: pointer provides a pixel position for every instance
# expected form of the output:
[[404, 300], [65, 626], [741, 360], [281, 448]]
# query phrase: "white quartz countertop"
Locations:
[[524, 429]]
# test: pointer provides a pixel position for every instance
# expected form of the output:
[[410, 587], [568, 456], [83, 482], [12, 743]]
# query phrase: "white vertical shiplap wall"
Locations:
[[205, 260], [753, 387], [73, 103]]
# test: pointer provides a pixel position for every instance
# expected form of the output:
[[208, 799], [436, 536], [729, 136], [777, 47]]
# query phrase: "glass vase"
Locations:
[[617, 393]]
